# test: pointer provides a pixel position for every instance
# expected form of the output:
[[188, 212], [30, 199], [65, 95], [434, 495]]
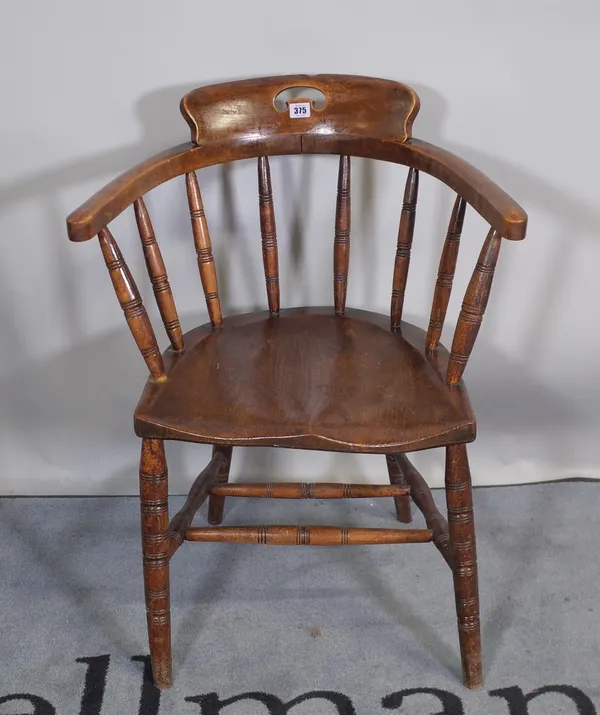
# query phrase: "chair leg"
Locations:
[[155, 547], [459, 499], [215, 503], [402, 504]]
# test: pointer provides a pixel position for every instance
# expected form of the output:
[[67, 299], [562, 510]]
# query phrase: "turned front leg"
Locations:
[[155, 547], [461, 528]]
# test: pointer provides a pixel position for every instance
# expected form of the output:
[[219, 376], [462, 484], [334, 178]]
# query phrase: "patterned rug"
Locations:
[[307, 631]]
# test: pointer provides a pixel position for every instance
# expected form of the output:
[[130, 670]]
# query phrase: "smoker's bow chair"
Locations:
[[336, 378]]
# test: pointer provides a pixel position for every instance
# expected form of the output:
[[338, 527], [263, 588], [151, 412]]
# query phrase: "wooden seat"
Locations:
[[324, 381], [334, 378]]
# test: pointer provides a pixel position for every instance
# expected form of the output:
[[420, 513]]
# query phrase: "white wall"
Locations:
[[89, 88]]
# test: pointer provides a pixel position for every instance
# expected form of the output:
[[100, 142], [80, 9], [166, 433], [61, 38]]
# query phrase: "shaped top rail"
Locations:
[[360, 116], [353, 106]]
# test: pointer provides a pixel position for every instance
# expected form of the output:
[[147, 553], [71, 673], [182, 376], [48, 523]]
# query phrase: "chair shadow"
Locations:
[[575, 221], [57, 553], [520, 549], [104, 378], [84, 396], [80, 403], [162, 126]]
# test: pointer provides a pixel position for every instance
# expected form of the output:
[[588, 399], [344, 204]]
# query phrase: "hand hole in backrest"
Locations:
[[313, 94]]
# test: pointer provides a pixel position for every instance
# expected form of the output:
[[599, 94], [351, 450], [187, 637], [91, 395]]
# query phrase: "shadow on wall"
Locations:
[[76, 409], [574, 220], [85, 396]]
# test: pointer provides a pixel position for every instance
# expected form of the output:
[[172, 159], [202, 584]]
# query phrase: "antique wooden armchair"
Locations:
[[360, 382]]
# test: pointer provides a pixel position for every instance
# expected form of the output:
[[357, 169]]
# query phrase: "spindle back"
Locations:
[[359, 116]]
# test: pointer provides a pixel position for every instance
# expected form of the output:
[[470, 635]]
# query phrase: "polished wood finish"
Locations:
[[308, 535], [131, 302], [295, 379], [197, 496], [158, 275], [401, 503], [269, 234], [354, 106], [461, 528], [405, 239], [443, 285], [341, 249], [421, 495], [332, 378], [488, 199], [310, 490], [473, 307], [206, 262], [155, 545], [216, 503]]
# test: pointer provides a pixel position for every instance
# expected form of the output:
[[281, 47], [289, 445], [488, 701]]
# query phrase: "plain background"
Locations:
[[90, 88]]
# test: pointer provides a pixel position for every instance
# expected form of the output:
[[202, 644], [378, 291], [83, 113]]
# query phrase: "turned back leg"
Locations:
[[216, 504], [397, 477]]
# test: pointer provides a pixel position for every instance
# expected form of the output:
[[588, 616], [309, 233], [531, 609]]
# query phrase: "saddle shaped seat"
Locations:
[[340, 383]]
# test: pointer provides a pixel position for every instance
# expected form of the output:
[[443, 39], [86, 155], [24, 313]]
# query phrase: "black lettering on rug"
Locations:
[[518, 701], [94, 685], [40, 706], [150, 695], [211, 704], [451, 703]]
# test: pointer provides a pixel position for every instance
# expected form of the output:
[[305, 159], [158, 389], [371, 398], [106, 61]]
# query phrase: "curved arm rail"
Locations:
[[499, 209], [487, 198]]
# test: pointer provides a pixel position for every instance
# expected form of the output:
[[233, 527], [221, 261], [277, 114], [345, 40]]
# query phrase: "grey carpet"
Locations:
[[362, 623]]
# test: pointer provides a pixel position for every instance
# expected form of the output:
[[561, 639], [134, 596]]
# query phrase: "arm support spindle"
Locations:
[[473, 307], [447, 267], [158, 276], [131, 302]]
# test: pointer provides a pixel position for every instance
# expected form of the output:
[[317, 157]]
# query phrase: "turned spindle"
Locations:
[[158, 275], [405, 238], [206, 262], [132, 305], [473, 307], [268, 233], [341, 244], [446, 270]]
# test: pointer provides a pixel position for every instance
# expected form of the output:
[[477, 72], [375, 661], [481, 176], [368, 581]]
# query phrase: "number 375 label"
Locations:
[[299, 110]]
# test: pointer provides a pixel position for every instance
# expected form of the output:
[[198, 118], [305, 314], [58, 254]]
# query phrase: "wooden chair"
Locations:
[[336, 379]]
